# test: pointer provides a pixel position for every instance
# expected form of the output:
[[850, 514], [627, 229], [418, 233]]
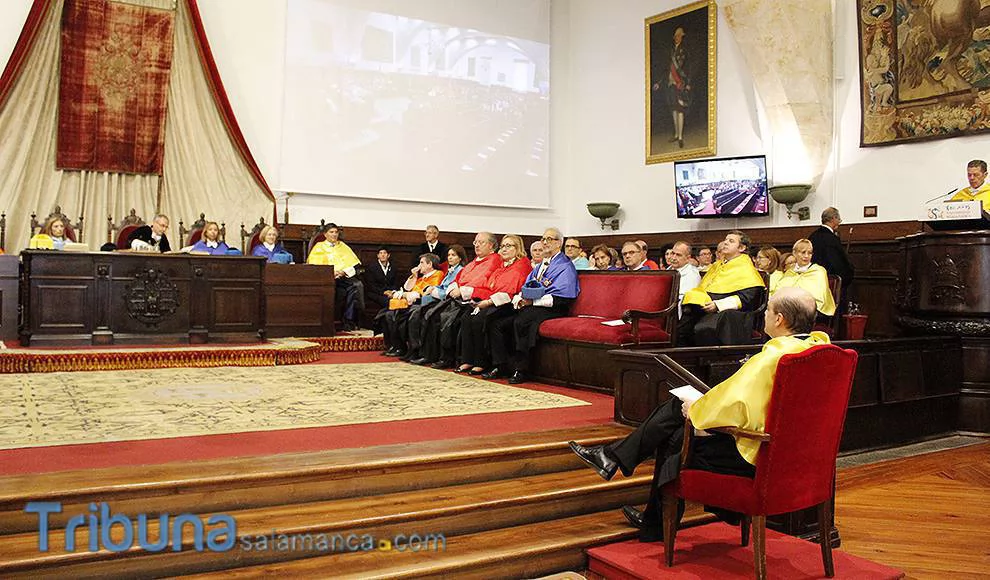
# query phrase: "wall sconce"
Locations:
[[789, 195], [605, 211]]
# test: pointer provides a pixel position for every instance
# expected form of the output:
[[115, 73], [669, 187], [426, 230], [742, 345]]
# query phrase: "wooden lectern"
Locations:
[[943, 289]]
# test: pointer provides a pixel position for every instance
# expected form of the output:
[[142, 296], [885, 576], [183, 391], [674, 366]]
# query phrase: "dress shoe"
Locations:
[[648, 531], [518, 378], [596, 458], [680, 143], [493, 374], [476, 371], [634, 517], [441, 364], [419, 361], [462, 369], [404, 357], [392, 352]]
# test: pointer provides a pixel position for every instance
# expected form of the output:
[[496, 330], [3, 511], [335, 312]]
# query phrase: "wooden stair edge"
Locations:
[[243, 470], [498, 547], [19, 551]]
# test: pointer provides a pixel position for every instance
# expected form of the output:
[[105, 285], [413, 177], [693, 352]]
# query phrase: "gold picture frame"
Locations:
[[680, 80]]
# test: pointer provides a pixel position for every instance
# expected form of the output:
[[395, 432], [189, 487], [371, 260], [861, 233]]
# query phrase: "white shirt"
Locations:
[[210, 244], [690, 279]]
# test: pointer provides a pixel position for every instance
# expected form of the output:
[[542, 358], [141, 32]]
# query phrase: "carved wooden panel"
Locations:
[[235, 309]]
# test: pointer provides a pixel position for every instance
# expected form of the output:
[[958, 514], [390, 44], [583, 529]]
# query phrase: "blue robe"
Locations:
[[220, 250], [262, 252], [560, 278], [443, 286]]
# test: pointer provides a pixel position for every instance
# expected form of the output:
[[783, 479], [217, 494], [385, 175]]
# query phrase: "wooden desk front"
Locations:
[[104, 298], [299, 300]]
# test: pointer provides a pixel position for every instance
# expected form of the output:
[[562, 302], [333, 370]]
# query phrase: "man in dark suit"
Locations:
[[432, 245], [828, 251], [379, 277]]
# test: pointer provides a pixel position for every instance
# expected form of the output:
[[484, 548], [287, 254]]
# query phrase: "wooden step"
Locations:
[[450, 511], [526, 551], [248, 482]]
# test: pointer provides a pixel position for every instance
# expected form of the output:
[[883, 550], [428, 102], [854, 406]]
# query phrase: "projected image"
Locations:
[[722, 187], [399, 107]]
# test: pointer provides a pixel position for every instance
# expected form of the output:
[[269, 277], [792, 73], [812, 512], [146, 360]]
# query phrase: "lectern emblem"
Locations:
[[152, 297], [947, 283]]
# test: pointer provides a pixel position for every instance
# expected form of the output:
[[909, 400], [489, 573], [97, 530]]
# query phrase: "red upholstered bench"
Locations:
[[574, 349]]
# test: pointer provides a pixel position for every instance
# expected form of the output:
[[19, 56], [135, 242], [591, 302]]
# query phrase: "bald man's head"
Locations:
[[791, 311]]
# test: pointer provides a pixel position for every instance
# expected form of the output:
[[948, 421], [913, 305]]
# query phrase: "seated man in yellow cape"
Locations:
[[741, 400], [719, 310]]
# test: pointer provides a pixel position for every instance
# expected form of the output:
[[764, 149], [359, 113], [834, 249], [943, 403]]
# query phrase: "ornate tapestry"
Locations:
[[924, 69], [113, 87]]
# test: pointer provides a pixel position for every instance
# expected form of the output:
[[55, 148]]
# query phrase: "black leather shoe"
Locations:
[[393, 352], [518, 378], [596, 458], [419, 361], [493, 374], [442, 364], [634, 517]]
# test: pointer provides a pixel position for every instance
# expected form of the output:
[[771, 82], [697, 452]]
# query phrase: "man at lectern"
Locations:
[[979, 189]]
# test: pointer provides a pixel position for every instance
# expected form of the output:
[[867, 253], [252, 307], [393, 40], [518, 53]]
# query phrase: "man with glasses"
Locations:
[[646, 254], [633, 257], [443, 321], [572, 249], [513, 338]]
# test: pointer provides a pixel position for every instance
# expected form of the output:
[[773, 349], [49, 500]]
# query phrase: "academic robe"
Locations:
[[737, 289], [513, 339], [396, 320], [829, 253], [443, 323], [219, 250], [416, 325], [981, 194], [504, 283], [338, 255], [741, 400], [143, 233], [814, 280], [46, 242], [262, 251], [350, 290]]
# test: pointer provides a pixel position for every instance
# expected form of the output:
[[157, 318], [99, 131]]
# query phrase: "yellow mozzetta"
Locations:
[[981, 195], [338, 255], [742, 399], [737, 274], [814, 280]]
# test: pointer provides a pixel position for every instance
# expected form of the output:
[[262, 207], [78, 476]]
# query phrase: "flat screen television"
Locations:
[[728, 187]]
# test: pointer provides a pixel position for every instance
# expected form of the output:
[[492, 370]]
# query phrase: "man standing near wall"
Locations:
[[828, 251]]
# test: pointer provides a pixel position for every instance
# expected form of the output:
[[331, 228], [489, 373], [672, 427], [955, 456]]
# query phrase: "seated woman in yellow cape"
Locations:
[[804, 274]]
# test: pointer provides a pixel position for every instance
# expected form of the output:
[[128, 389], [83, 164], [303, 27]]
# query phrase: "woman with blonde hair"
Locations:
[[51, 237], [804, 274], [494, 301], [269, 247]]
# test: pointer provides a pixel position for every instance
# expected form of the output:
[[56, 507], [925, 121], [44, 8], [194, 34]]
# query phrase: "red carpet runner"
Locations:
[[713, 551]]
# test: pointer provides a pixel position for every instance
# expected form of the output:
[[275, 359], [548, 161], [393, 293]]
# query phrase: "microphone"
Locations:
[[943, 195]]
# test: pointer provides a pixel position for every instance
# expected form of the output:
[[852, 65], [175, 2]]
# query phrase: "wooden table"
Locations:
[[102, 298]]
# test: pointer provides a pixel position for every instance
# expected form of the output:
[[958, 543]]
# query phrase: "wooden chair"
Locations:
[[74, 232], [195, 232], [795, 468], [317, 236], [118, 233], [830, 324], [253, 237]]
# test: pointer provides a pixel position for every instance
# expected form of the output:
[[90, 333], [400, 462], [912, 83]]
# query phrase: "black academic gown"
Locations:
[[143, 233], [376, 282]]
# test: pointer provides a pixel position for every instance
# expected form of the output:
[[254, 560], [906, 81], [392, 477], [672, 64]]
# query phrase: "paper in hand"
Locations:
[[687, 393]]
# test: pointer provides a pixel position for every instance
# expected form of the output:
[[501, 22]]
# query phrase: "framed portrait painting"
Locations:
[[680, 83]]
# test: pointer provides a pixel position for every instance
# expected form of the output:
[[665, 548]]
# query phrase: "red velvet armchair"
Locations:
[[795, 468]]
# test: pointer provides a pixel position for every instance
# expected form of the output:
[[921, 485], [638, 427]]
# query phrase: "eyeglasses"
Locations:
[[630, 252], [507, 246], [548, 239], [572, 246]]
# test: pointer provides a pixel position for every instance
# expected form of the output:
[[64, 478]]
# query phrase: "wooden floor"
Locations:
[[928, 515]]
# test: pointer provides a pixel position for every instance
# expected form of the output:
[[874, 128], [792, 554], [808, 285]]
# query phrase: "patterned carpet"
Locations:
[[38, 410]]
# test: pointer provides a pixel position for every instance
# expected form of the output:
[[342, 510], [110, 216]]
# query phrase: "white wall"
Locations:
[[597, 133]]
